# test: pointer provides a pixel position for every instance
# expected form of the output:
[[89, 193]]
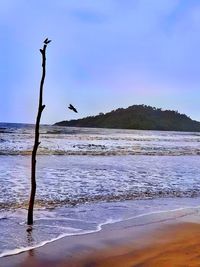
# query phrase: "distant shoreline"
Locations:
[[16, 124], [94, 127]]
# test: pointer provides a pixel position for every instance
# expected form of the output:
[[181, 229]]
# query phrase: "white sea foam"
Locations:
[[75, 180]]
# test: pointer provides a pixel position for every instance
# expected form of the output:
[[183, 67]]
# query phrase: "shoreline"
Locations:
[[149, 218], [118, 243]]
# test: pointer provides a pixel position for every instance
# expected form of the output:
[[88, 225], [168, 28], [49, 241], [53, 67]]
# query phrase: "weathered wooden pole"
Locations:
[[37, 135]]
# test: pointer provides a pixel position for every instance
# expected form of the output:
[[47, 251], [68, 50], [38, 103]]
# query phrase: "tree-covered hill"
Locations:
[[138, 117]]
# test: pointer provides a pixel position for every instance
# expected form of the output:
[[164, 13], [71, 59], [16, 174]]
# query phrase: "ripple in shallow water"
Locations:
[[51, 225]]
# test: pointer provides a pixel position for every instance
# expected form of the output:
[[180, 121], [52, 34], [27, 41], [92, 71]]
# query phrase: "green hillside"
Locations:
[[138, 117]]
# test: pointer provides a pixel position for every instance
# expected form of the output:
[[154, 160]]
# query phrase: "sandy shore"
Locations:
[[158, 240]]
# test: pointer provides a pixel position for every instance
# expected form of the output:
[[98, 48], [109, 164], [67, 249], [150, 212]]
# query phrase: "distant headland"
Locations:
[[139, 117]]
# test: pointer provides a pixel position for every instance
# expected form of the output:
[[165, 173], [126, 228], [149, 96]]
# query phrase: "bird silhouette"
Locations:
[[72, 108], [47, 41]]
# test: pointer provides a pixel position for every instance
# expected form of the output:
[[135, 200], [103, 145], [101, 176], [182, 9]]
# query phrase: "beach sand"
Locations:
[[159, 241]]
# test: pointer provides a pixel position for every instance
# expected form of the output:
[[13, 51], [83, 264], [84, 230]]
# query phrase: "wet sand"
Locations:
[[177, 246], [161, 241]]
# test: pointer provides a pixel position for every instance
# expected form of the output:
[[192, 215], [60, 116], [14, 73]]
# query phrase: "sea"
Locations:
[[88, 177]]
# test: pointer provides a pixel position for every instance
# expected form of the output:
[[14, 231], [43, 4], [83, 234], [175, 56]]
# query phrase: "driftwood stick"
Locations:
[[37, 135]]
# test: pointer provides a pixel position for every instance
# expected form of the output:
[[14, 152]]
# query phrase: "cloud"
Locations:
[[112, 48]]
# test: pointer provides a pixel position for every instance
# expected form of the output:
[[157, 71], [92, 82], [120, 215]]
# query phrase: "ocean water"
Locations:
[[90, 177]]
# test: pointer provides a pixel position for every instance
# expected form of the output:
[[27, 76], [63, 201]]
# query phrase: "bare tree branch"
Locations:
[[37, 135]]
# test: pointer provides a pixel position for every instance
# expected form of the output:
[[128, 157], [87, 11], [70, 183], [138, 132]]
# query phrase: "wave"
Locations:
[[71, 202], [97, 142], [123, 152], [5, 131]]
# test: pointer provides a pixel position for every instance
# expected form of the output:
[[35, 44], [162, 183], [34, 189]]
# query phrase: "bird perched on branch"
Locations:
[[72, 108], [47, 41]]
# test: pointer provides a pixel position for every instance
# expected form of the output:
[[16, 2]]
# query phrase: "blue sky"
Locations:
[[104, 54]]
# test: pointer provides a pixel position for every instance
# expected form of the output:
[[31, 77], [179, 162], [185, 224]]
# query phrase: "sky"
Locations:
[[104, 54]]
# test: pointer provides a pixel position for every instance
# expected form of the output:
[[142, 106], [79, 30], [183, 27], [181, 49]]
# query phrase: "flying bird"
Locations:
[[47, 41], [72, 108]]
